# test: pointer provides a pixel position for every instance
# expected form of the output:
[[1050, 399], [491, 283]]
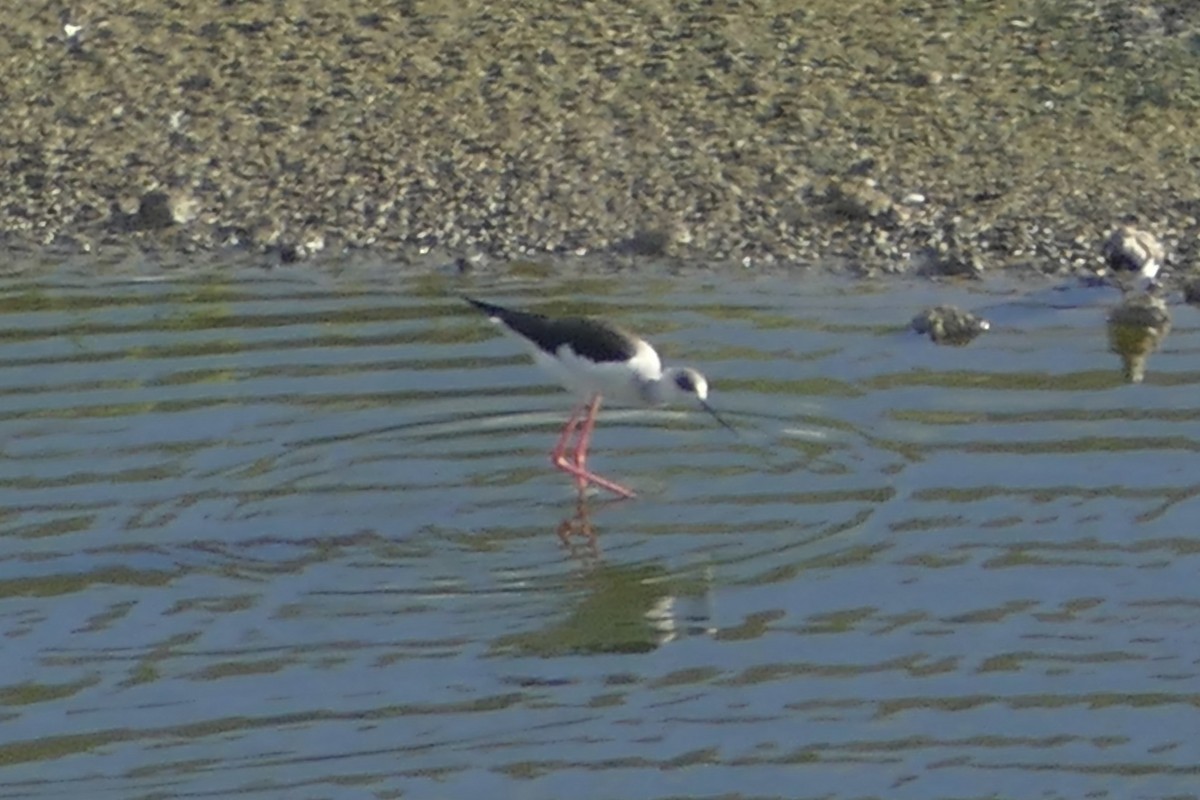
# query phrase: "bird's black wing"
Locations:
[[592, 339]]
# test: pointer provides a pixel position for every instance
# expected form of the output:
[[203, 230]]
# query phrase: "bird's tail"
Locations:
[[495, 312]]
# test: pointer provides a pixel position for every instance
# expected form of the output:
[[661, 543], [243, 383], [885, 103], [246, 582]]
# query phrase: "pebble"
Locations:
[[946, 324]]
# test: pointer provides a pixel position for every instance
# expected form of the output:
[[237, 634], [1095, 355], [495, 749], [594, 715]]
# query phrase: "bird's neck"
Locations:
[[653, 390]]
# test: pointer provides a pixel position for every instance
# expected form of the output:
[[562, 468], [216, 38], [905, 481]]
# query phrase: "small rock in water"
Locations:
[[1132, 250], [949, 325]]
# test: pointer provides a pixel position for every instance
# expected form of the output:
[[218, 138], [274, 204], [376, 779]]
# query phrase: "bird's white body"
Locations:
[[640, 381], [621, 382]]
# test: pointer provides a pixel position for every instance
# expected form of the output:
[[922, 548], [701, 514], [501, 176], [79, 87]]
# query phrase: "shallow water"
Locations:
[[295, 535]]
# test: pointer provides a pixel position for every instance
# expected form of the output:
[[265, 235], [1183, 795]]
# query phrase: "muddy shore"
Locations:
[[928, 136]]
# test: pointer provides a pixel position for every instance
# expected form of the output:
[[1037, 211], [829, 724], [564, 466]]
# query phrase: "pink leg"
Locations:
[[559, 454], [585, 433], [582, 476], [572, 423]]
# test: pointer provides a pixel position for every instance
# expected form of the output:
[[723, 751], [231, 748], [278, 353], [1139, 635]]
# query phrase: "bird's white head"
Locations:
[[680, 384], [684, 384]]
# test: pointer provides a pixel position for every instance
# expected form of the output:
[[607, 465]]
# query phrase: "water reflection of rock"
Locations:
[[1136, 328], [949, 325]]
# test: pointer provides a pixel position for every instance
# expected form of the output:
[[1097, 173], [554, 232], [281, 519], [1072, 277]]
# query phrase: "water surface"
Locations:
[[295, 535]]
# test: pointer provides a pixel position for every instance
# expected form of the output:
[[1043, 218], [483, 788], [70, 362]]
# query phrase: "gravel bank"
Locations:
[[930, 135]]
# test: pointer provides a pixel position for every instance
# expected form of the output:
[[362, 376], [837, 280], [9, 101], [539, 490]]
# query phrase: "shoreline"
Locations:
[[838, 137]]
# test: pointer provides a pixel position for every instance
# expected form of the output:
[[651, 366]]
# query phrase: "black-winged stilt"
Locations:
[[595, 359]]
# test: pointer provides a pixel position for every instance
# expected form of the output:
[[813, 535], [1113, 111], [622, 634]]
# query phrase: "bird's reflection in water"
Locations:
[[616, 607], [620, 608], [577, 534], [1137, 327]]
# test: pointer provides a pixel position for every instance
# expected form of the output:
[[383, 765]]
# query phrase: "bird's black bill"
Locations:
[[719, 418]]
